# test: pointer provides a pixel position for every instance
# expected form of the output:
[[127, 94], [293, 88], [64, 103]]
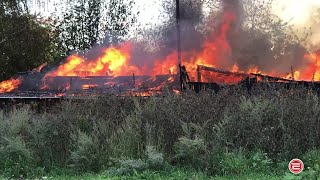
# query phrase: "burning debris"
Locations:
[[9, 85], [115, 69]]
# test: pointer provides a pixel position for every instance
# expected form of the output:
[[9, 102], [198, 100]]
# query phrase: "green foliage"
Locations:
[[155, 160], [89, 23], [84, 155], [25, 44], [127, 166], [170, 174], [191, 152], [309, 174], [232, 134], [119, 18], [234, 163], [260, 162], [311, 159], [79, 28], [152, 161], [16, 158]]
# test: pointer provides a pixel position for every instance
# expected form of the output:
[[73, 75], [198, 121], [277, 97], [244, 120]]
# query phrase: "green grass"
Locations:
[[168, 175]]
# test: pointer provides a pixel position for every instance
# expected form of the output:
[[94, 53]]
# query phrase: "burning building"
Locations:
[[225, 56]]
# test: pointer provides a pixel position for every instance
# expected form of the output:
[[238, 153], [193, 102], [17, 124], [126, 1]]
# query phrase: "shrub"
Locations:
[[155, 160], [50, 139], [311, 159], [260, 162], [126, 167], [84, 155], [16, 160], [191, 153], [235, 163], [191, 130]]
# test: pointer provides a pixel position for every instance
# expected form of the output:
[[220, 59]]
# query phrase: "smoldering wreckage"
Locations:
[[114, 69]]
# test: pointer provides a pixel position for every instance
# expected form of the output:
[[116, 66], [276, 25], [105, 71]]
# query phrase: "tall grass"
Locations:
[[217, 133]]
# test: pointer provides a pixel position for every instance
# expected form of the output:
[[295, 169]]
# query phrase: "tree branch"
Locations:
[[3, 40]]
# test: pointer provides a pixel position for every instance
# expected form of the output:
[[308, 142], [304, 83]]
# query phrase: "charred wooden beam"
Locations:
[[267, 77], [133, 81], [199, 73], [212, 69]]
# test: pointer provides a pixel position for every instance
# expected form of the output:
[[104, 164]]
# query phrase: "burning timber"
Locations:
[[67, 87], [56, 88], [248, 80]]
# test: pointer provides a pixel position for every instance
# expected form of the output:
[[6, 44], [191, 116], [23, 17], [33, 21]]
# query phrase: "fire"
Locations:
[[167, 66], [235, 68], [88, 86], [38, 69], [113, 62], [312, 71], [9, 85], [116, 61], [215, 49]]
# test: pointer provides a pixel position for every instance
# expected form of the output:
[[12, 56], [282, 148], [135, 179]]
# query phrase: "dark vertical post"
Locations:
[[70, 83], [133, 80], [178, 39], [199, 73], [292, 73]]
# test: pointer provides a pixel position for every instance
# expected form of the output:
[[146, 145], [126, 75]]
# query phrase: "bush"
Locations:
[[311, 158], [235, 163], [155, 160], [193, 131], [260, 162], [191, 153], [126, 167], [85, 155], [16, 160]]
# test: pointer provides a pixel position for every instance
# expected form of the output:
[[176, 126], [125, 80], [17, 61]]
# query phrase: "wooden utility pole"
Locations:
[[178, 39]]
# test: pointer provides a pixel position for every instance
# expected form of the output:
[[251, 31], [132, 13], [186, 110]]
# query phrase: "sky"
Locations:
[[149, 9], [300, 13]]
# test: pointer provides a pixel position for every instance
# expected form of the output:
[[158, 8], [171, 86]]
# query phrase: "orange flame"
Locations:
[[113, 62], [38, 69], [215, 52], [312, 71], [9, 85], [88, 86]]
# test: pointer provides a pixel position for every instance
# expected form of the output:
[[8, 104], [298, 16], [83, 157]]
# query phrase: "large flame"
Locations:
[[215, 52], [9, 85], [312, 72], [113, 62]]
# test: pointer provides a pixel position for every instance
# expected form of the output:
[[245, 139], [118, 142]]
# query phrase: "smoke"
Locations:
[[258, 43], [302, 15], [161, 41], [254, 43]]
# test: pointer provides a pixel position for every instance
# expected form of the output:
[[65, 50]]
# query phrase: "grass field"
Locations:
[[165, 175], [173, 176]]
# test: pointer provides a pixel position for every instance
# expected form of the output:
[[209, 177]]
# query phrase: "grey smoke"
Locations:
[[269, 51], [250, 47], [165, 37]]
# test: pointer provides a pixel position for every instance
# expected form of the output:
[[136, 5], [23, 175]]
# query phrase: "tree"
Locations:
[[264, 40], [79, 28], [119, 18], [93, 22], [25, 43]]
